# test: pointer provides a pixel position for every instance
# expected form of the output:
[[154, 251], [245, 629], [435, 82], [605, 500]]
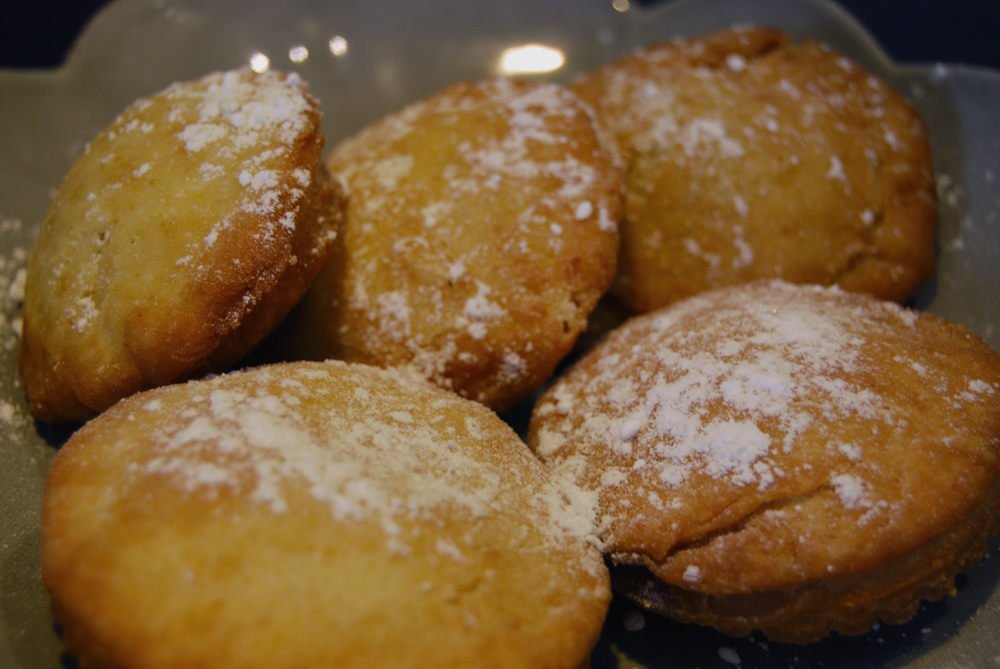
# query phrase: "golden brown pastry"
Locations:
[[746, 157], [315, 515], [480, 232], [178, 240], [795, 459]]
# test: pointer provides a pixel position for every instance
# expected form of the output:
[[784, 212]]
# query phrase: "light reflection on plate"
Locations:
[[366, 59], [530, 59]]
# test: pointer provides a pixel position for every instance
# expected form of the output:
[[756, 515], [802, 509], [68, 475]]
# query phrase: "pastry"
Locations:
[[748, 157], [481, 231], [315, 515], [178, 240], [795, 459]]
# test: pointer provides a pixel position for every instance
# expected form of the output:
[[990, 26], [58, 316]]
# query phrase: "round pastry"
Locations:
[[178, 240], [794, 459], [481, 231], [748, 157], [315, 515]]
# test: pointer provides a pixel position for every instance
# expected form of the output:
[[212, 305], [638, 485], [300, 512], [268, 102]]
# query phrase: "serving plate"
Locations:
[[366, 59]]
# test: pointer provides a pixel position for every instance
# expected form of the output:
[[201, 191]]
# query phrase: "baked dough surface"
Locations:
[[315, 515], [481, 231], [747, 157], [179, 239], [792, 458]]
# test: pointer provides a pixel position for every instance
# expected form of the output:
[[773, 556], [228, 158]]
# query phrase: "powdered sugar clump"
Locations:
[[238, 107]]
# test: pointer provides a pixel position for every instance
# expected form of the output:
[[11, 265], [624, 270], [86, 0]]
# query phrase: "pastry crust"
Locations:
[[848, 603], [480, 233], [798, 459], [315, 515], [178, 240], [748, 157]]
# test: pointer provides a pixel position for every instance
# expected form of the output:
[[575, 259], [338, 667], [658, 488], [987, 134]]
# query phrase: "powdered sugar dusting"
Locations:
[[15, 419], [250, 122], [722, 389], [361, 454], [237, 106], [13, 274], [788, 370]]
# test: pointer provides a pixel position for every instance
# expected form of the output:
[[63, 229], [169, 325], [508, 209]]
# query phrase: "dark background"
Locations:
[[39, 33]]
